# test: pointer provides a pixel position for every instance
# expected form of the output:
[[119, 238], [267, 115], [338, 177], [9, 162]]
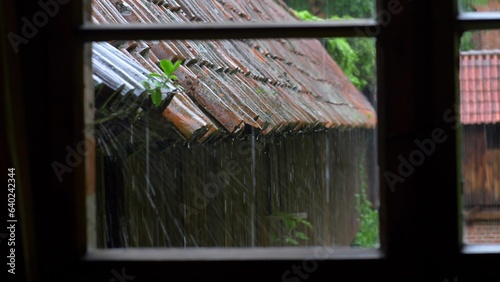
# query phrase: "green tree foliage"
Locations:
[[368, 233], [466, 42], [355, 56], [291, 224], [469, 5], [339, 8]]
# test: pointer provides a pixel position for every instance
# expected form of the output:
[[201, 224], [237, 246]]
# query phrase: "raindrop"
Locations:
[[124, 9]]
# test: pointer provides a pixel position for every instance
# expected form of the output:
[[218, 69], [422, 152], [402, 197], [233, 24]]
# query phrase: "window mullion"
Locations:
[[475, 21], [341, 28]]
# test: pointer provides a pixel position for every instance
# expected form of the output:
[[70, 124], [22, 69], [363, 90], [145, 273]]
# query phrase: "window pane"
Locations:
[[228, 11], [252, 143], [479, 5], [480, 121]]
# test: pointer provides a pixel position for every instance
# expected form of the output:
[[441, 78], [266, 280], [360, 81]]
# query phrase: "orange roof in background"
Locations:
[[272, 85], [479, 87]]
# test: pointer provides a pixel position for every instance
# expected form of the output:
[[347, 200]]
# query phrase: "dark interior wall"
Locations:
[[46, 117], [13, 194]]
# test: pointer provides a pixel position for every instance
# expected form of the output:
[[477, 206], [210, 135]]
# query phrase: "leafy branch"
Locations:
[[156, 81], [368, 234], [355, 56], [291, 222], [471, 5]]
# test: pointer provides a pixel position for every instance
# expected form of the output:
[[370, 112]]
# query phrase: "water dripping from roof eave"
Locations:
[[147, 156]]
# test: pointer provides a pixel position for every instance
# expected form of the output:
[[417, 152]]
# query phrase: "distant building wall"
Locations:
[[487, 39], [481, 166], [482, 233], [230, 193]]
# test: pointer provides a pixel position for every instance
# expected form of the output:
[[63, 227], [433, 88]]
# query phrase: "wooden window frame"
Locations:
[[417, 73]]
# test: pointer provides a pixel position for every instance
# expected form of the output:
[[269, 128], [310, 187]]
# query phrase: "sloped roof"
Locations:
[[271, 85], [479, 87]]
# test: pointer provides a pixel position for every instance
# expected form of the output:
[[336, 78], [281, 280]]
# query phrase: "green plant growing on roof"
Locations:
[[291, 222], [156, 81]]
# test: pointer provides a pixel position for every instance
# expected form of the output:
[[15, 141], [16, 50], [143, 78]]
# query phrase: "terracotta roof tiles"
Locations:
[[479, 87], [270, 85]]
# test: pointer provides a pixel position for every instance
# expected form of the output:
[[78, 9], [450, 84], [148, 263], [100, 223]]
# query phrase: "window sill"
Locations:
[[224, 254], [481, 249]]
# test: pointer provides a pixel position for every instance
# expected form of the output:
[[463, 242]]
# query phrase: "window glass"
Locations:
[[480, 124], [234, 143]]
